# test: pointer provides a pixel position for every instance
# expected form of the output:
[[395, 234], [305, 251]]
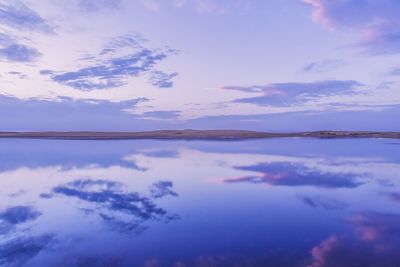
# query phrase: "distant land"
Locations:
[[194, 135]]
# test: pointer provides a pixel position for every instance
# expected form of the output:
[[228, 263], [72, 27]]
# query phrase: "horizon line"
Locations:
[[193, 134]]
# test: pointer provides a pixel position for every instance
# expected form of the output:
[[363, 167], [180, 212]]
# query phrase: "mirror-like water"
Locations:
[[277, 202]]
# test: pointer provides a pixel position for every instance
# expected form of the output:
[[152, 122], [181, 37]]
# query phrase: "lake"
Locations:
[[273, 202]]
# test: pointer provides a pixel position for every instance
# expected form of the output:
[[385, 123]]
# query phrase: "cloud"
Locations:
[[214, 6], [65, 106], [110, 73], [13, 216], [395, 196], [19, 214], [286, 94], [226, 259], [161, 189], [18, 74], [161, 154], [112, 202], [15, 19], [16, 14], [172, 114], [16, 251], [131, 40], [19, 53], [319, 202], [13, 51], [19, 251], [102, 115], [366, 119], [152, 5], [377, 22], [200, 6], [324, 66], [68, 114], [162, 79], [287, 174], [395, 71], [374, 241], [98, 5], [111, 69], [75, 155]]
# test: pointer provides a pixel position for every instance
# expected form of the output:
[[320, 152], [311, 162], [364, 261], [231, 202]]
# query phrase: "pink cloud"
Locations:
[[152, 5], [372, 241], [213, 6], [319, 253], [319, 13], [376, 22]]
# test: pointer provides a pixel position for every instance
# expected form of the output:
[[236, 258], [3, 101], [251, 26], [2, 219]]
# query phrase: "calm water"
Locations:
[[278, 202]]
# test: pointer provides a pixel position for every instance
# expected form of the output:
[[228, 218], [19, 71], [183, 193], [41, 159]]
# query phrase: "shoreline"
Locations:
[[195, 135]]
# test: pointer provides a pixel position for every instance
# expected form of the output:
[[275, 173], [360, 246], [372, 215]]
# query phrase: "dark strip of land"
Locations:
[[194, 135]]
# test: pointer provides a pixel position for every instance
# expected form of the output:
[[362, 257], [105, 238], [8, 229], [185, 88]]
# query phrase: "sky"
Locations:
[[133, 65]]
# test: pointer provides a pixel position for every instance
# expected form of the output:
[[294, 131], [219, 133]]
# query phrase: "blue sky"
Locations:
[[163, 64]]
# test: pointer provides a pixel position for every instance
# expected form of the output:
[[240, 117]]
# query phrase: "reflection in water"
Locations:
[[18, 251], [329, 203], [374, 241], [162, 153], [210, 261], [395, 196], [323, 203], [161, 189], [123, 211], [18, 214], [73, 154], [295, 175]]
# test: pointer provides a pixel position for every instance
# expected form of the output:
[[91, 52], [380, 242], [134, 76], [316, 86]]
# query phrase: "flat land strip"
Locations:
[[194, 135]]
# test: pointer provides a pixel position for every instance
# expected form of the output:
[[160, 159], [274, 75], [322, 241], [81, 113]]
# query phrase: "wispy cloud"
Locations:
[[18, 251], [19, 214], [372, 241], [65, 111], [98, 5], [304, 121], [171, 114], [319, 202], [110, 198], [12, 50], [16, 14], [17, 19], [153, 5], [377, 22], [395, 71], [83, 114], [200, 6], [161, 79], [284, 94], [324, 65], [289, 174], [114, 65]]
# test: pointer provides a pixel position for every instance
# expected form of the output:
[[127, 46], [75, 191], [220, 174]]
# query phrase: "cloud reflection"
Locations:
[[287, 174], [16, 247], [19, 214], [20, 250], [122, 211], [374, 241], [13, 216], [67, 155], [322, 203]]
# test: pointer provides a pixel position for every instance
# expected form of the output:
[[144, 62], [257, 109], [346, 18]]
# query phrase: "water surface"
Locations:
[[274, 202]]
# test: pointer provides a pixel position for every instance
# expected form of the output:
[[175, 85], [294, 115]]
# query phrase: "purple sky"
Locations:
[[162, 64]]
